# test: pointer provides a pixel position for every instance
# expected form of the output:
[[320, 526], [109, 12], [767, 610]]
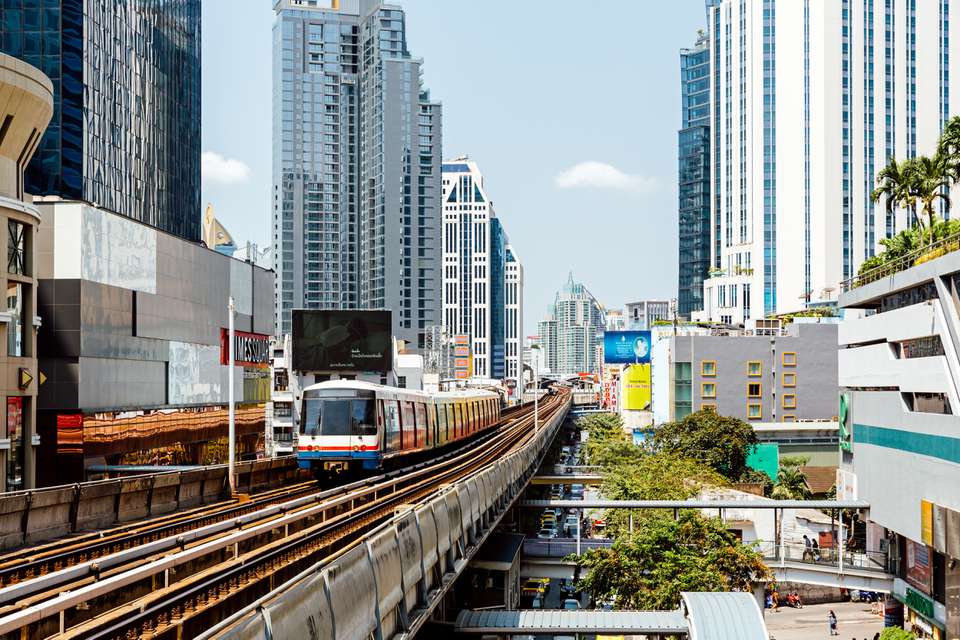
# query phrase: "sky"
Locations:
[[570, 111]]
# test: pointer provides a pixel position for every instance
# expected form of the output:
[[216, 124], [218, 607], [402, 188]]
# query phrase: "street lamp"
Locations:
[[536, 387]]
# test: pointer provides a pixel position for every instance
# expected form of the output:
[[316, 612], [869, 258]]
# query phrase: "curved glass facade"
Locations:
[[125, 132]]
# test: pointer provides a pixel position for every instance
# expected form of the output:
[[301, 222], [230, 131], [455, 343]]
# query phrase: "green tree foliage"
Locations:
[[896, 633], [791, 482], [720, 442], [650, 569]]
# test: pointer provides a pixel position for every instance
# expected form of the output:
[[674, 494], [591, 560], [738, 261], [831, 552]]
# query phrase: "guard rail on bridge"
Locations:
[[38, 515], [389, 585]]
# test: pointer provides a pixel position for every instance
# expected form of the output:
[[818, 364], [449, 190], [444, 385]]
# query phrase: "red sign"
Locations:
[[14, 417], [249, 349]]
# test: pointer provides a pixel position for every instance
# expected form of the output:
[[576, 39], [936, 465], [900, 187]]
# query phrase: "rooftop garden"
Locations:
[[919, 186]]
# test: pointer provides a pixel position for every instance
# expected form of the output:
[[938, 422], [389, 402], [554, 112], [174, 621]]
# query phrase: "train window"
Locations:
[[409, 425], [392, 418], [421, 410], [338, 417]]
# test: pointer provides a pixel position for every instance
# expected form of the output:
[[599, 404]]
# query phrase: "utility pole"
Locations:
[[232, 437]]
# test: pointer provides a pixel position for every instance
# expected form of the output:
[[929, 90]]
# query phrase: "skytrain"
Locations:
[[351, 425]]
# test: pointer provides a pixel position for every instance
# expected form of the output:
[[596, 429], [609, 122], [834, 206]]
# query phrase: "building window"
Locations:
[[15, 342], [754, 390], [282, 409], [789, 358], [709, 406], [789, 401], [789, 380], [16, 247], [754, 411], [708, 368], [708, 389], [755, 368], [789, 418]]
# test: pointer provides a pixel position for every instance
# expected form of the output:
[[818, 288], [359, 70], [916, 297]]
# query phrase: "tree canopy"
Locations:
[[720, 442], [896, 633], [665, 557]]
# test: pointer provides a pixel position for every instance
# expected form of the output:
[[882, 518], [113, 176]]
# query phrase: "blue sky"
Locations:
[[570, 108]]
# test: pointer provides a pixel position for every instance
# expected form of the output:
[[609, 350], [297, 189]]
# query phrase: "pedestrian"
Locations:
[[832, 619], [816, 550], [807, 553]]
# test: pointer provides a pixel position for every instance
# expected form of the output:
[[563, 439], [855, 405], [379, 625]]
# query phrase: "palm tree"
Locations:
[[791, 484], [894, 183], [949, 144], [930, 179]]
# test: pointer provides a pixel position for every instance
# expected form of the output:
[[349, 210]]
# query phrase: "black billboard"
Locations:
[[326, 340]]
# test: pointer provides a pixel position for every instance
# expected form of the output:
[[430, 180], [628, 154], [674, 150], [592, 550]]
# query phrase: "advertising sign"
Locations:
[[327, 340], [919, 570], [636, 387], [249, 349], [626, 347]]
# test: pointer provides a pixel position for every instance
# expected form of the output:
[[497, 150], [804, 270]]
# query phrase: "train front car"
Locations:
[[339, 427]]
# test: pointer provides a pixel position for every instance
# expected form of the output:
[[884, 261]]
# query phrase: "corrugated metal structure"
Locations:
[[702, 616]]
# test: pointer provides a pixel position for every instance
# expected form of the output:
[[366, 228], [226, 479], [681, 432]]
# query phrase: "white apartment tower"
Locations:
[[808, 102], [514, 316], [482, 277]]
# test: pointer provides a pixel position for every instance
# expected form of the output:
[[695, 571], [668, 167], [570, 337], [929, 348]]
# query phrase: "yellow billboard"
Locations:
[[636, 387]]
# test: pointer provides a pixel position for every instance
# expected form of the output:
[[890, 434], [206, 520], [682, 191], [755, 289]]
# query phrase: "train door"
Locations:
[[409, 425], [421, 410], [391, 426]]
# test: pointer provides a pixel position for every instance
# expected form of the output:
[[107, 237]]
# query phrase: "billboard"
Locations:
[[636, 387], [327, 340], [626, 347]]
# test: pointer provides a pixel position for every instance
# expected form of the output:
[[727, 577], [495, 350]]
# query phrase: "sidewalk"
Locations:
[[810, 623]]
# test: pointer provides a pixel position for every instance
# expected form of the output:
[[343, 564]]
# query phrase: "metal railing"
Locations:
[[561, 547], [904, 262], [864, 560]]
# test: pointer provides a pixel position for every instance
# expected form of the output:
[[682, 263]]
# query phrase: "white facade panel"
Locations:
[[118, 251]]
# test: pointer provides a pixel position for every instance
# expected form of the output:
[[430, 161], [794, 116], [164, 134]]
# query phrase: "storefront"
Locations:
[[922, 615]]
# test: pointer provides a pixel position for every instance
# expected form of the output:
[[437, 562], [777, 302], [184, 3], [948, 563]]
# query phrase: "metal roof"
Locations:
[[554, 622], [724, 616]]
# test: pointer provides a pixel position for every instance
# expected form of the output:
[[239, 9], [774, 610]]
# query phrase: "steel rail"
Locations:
[[328, 500], [238, 577], [28, 564]]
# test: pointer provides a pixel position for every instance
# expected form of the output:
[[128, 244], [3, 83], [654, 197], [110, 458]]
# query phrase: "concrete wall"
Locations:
[[133, 316], [815, 370]]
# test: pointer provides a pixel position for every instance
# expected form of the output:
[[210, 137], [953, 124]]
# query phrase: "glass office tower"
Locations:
[[694, 176], [356, 166], [125, 133]]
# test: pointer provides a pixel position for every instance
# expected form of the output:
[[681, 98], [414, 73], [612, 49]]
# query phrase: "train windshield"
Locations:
[[338, 417]]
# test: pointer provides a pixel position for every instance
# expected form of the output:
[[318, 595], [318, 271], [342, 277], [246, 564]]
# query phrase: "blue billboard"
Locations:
[[626, 347]]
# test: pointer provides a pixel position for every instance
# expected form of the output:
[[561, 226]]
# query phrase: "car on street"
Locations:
[[571, 604], [547, 533], [532, 588]]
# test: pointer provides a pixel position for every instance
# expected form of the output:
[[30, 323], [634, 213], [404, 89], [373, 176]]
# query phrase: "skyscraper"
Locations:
[[125, 133], [694, 175], [572, 332], [482, 278], [809, 100], [356, 165], [514, 316]]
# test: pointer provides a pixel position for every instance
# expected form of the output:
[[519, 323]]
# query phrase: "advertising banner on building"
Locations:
[[327, 340], [919, 570], [636, 388], [626, 347], [249, 349]]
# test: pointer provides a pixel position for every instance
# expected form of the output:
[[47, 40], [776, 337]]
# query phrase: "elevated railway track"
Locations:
[[177, 576]]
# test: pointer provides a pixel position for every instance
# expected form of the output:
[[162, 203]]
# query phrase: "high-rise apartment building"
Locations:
[[125, 133], [572, 333], [514, 316], [694, 176], [482, 277], [808, 102], [641, 316], [356, 165]]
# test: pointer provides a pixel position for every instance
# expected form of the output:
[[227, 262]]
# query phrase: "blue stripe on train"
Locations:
[[306, 459]]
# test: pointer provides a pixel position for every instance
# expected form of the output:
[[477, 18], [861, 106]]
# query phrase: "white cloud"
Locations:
[[215, 168], [600, 175]]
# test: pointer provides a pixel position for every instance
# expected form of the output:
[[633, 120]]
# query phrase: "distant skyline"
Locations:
[[572, 115]]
